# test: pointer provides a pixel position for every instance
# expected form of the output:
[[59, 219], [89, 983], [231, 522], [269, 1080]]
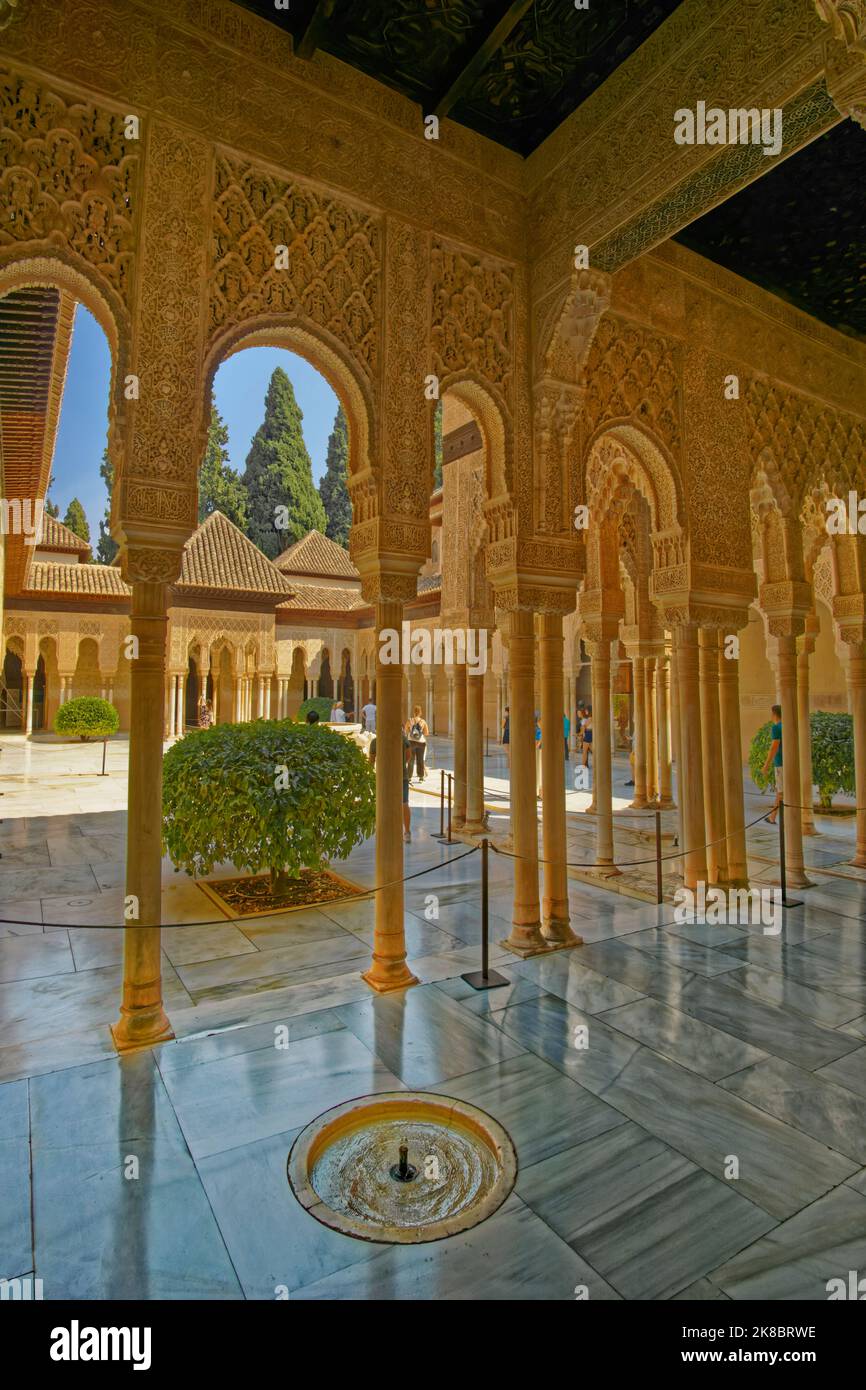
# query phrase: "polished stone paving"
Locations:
[[688, 1103]]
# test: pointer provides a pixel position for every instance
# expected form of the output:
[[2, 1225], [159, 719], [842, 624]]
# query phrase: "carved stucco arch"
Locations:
[[323, 352], [493, 418], [622, 457], [67, 273]]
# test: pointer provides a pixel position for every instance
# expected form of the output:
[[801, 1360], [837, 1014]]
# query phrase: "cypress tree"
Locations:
[[283, 504], [332, 488], [106, 546], [437, 446], [76, 520], [219, 487]]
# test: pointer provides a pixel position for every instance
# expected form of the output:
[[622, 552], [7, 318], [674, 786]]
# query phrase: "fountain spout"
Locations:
[[403, 1171]]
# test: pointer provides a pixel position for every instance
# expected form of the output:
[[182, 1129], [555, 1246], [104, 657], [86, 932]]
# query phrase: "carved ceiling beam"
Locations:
[[315, 29], [847, 18], [489, 45]]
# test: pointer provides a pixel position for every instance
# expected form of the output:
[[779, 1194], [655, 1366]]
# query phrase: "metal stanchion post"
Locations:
[[485, 978], [441, 835], [660, 896], [103, 773], [448, 838], [782, 862]]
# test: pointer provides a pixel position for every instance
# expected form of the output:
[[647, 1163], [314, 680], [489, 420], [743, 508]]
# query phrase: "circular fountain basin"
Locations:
[[345, 1167]]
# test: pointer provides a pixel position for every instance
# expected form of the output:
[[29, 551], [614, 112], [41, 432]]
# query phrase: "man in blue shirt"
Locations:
[[566, 729], [774, 757]]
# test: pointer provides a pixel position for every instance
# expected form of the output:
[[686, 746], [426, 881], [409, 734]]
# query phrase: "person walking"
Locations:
[[407, 813], [587, 735], [338, 714], [418, 733], [774, 758], [506, 734], [368, 714], [566, 730]]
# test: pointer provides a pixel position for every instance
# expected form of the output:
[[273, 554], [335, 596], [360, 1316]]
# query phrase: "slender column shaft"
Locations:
[[652, 780], [856, 675], [663, 717], [172, 706], [28, 721], [142, 1017], [180, 722], [711, 755], [639, 746], [459, 810], [805, 730], [676, 739], [388, 970], [555, 914], [450, 680], [602, 776], [732, 765], [791, 780], [267, 697], [474, 753], [525, 933], [691, 768]]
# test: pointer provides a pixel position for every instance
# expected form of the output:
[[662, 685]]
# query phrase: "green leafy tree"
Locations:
[[832, 755], [76, 520], [281, 496], [333, 488], [271, 795], [106, 546], [320, 703], [219, 487], [87, 717]]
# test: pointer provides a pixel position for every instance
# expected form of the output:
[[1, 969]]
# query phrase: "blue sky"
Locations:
[[239, 391]]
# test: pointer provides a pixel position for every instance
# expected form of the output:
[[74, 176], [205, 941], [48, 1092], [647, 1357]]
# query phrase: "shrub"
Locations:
[[832, 754], [321, 704], [272, 795], [87, 717]]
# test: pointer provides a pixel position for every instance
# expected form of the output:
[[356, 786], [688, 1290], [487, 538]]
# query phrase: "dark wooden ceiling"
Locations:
[[511, 69]]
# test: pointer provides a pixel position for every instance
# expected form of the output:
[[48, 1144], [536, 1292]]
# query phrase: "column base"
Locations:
[[796, 878], [809, 829], [858, 862], [475, 827], [133, 1032], [604, 870], [385, 977], [639, 804], [666, 803], [525, 941], [557, 932]]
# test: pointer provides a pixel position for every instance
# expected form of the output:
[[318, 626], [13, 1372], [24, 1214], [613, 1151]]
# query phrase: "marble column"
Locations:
[[602, 768], [571, 689], [525, 937], [180, 721], [388, 970], [691, 773], [791, 779], [142, 1017], [732, 765], [856, 678], [555, 912], [29, 677], [450, 680], [474, 754], [267, 706], [711, 757], [652, 776], [807, 795], [172, 706], [459, 735], [639, 747], [663, 720], [430, 699], [676, 750]]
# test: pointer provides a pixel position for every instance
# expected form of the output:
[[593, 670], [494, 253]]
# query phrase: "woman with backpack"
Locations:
[[418, 733]]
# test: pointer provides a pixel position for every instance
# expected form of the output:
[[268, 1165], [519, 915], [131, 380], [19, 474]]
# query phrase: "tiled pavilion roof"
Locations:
[[56, 536], [315, 554], [318, 597], [220, 558], [84, 581]]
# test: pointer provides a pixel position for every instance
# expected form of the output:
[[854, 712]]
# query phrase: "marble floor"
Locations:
[[688, 1103]]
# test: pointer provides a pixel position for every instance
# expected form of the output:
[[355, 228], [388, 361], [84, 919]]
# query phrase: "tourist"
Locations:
[[407, 814], [368, 717], [205, 712], [506, 734], [538, 753], [418, 733], [775, 757], [371, 752], [587, 734], [312, 716], [566, 730], [338, 714]]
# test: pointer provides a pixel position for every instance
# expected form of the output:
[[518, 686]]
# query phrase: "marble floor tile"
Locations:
[[238, 1010], [702, 1291], [808, 970], [16, 1243], [780, 1032], [675, 950], [98, 1233], [797, 1259], [490, 1001], [424, 1037], [240, 1099], [55, 1052], [849, 1071], [27, 957], [195, 1050], [422, 938], [39, 882], [780, 1168], [809, 1101], [544, 1112], [186, 945], [244, 969], [641, 972], [290, 1247], [822, 1006], [673, 1034], [23, 918], [268, 933], [708, 933], [513, 1256], [565, 974], [619, 1200]]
